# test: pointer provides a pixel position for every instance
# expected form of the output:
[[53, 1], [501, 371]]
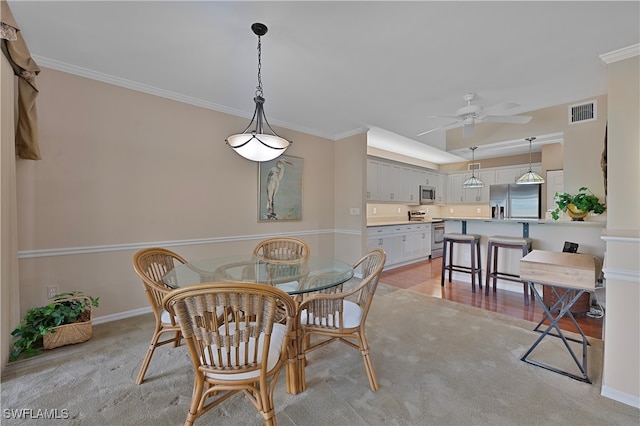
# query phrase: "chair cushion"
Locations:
[[461, 237], [275, 349], [288, 286], [351, 316], [166, 318]]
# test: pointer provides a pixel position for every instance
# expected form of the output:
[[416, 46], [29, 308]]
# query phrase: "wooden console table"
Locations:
[[571, 271]]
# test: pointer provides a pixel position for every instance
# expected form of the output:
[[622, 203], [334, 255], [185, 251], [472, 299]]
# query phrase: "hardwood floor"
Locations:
[[424, 277]]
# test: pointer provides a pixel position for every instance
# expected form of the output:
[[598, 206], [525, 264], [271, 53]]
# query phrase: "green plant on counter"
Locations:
[[583, 201], [42, 320]]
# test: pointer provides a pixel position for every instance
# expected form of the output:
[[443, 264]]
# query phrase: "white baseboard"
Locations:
[[616, 395], [121, 315]]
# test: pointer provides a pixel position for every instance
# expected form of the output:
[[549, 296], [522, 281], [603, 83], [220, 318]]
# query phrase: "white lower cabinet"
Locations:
[[403, 243]]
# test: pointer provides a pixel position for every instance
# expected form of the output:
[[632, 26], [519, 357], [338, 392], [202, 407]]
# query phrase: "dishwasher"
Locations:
[[437, 239]]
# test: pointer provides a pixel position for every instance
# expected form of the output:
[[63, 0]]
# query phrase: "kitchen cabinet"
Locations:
[[398, 183], [373, 172], [403, 243]]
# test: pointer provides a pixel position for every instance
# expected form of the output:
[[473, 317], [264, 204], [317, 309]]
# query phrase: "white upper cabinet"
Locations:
[[373, 172], [398, 183]]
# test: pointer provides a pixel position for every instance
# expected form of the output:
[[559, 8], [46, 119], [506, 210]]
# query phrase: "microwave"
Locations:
[[427, 194]]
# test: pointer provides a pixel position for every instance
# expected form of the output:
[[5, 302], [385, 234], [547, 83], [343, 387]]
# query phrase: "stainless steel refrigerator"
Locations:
[[515, 201]]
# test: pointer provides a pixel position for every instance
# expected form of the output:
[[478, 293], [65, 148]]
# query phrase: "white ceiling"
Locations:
[[334, 68]]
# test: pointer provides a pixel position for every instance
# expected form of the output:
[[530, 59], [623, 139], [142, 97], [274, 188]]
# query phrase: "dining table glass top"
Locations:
[[292, 276]]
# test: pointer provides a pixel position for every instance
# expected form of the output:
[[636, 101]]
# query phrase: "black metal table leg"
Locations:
[[566, 301]]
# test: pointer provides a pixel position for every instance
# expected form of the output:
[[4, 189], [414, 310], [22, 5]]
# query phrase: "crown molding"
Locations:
[[151, 90], [621, 54]]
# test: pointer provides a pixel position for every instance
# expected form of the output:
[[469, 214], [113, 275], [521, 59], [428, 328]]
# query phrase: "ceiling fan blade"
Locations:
[[437, 129], [468, 130], [517, 119]]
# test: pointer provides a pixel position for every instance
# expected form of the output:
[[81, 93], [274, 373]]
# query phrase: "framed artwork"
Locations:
[[280, 189]]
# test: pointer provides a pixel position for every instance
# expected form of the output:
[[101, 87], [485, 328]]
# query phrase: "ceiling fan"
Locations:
[[470, 114]]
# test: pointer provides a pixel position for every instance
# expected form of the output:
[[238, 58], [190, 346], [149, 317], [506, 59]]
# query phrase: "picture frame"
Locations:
[[280, 189]]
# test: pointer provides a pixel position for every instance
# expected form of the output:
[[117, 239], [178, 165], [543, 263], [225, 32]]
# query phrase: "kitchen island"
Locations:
[[547, 235]]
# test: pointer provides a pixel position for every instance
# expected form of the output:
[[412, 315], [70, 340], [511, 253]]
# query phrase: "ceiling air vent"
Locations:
[[473, 166], [583, 112]]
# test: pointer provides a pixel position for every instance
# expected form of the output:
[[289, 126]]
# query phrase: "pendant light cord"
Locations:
[[259, 91]]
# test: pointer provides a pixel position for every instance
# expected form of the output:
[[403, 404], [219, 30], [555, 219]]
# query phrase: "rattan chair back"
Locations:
[[282, 248], [242, 351], [342, 315], [151, 264]]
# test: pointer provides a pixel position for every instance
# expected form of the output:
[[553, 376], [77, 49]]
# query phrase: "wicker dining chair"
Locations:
[[243, 352], [151, 265], [331, 316], [282, 248]]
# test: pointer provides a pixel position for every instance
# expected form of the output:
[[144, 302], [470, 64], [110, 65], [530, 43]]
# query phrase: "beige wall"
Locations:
[[9, 289], [350, 166], [123, 169], [621, 372]]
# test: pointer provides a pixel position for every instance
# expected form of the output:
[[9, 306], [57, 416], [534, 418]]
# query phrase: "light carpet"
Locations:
[[438, 363]]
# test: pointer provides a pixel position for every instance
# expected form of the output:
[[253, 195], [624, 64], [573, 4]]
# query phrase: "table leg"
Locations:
[[566, 302]]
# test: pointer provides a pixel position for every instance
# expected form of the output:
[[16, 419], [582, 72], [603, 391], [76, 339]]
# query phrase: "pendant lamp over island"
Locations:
[[256, 144], [473, 181], [530, 177]]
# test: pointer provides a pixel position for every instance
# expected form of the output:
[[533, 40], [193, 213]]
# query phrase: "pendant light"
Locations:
[[255, 144], [473, 181], [531, 177]]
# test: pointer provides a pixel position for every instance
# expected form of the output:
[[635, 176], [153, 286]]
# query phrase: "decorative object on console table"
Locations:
[[280, 189], [582, 305], [579, 205]]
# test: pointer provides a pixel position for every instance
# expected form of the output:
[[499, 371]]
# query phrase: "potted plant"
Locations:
[[577, 206], [66, 320]]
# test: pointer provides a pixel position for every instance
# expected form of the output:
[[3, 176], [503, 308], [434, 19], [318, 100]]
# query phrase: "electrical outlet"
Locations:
[[451, 210], [399, 210], [355, 211], [52, 290], [375, 210], [478, 210]]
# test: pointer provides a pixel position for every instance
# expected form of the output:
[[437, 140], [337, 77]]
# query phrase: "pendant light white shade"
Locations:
[[258, 147], [530, 177], [473, 181], [255, 144]]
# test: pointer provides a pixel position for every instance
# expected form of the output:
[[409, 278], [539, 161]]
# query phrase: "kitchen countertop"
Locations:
[[524, 220], [402, 222]]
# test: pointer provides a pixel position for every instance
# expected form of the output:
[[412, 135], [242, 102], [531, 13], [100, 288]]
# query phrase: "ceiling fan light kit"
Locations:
[[256, 145], [473, 181], [530, 177], [471, 114]]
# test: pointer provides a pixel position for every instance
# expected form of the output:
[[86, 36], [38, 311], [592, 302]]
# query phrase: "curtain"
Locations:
[[16, 51]]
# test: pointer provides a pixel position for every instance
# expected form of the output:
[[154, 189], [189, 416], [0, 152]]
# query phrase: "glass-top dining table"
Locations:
[[296, 277]]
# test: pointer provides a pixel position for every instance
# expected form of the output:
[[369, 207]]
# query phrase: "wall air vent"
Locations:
[[473, 166], [583, 112]]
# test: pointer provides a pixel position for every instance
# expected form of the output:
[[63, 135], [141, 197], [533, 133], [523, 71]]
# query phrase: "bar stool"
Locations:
[[473, 241], [495, 242]]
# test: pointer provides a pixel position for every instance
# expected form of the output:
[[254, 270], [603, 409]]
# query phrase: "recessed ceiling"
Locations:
[[333, 69]]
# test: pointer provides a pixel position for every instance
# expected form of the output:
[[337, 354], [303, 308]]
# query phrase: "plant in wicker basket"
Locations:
[[66, 320]]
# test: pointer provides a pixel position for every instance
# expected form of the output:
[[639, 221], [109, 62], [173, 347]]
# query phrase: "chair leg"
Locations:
[[473, 266], [479, 263], [364, 350], [147, 357], [488, 271], [444, 262]]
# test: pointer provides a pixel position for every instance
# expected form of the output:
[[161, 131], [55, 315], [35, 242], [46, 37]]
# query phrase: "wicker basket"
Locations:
[[68, 334]]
